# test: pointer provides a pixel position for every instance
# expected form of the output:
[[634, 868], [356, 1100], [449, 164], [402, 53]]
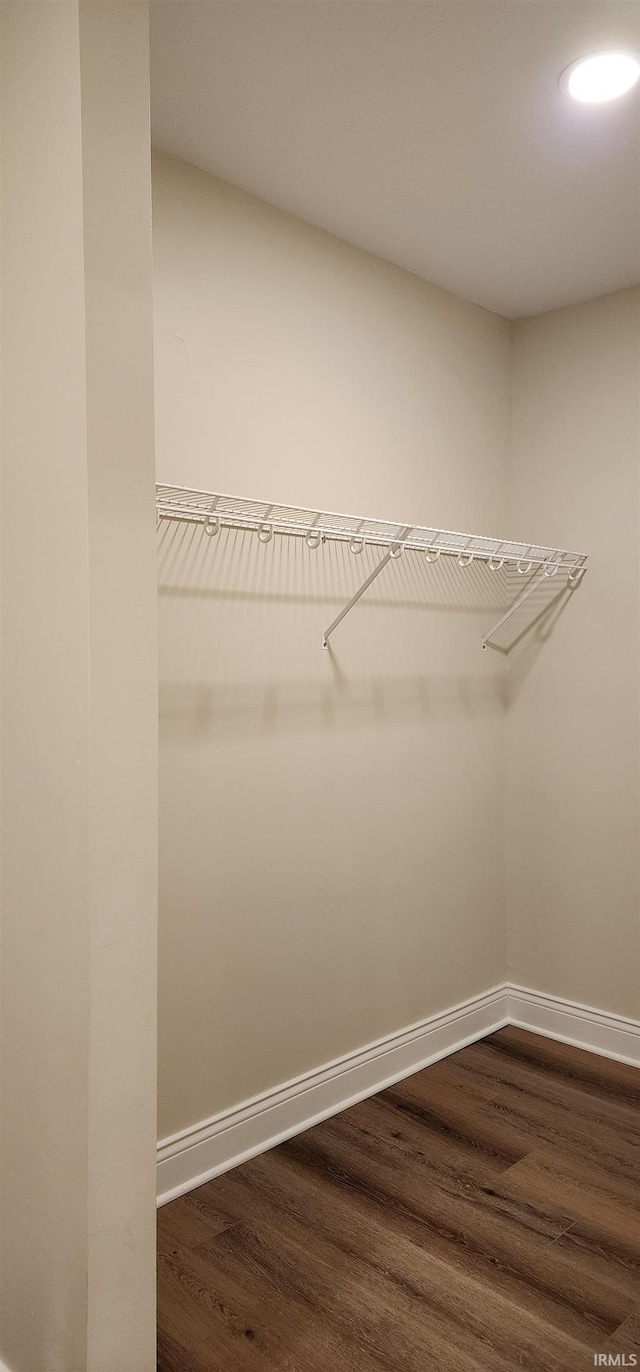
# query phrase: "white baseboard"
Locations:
[[188, 1159], [597, 1031]]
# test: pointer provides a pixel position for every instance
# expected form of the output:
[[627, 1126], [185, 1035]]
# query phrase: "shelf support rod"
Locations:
[[537, 581], [391, 553]]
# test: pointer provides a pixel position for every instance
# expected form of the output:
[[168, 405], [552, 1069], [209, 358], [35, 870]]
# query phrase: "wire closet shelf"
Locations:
[[216, 511]]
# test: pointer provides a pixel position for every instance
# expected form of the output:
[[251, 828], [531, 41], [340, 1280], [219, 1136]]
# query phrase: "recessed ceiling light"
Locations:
[[602, 76]]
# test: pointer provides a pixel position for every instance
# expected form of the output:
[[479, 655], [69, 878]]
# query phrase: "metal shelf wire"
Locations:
[[265, 518]]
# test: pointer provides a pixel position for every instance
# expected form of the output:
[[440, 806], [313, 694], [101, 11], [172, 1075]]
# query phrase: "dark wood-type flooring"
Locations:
[[482, 1214]]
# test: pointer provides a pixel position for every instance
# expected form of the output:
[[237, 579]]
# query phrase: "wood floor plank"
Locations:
[[619, 1260], [271, 1292], [179, 1317], [626, 1339], [601, 1076], [394, 1308], [419, 1133], [448, 1082], [522, 1115], [183, 1224], [481, 1215], [190, 1315], [598, 1197], [174, 1357], [575, 1294], [447, 1193], [497, 1255], [448, 1117], [499, 1248], [499, 1069]]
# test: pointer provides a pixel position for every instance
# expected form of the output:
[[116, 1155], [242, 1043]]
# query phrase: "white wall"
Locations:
[[79, 676], [573, 833], [332, 862]]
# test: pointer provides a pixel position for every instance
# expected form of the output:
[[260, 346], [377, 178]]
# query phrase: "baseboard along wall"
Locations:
[[194, 1156], [597, 1031], [190, 1158]]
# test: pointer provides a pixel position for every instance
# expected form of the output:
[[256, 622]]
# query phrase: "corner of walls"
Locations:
[[507, 970], [582, 1026]]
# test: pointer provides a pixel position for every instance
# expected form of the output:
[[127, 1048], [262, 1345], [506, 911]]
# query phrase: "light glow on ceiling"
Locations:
[[601, 77]]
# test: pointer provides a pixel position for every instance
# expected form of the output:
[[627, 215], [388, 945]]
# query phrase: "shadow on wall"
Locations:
[[241, 625]]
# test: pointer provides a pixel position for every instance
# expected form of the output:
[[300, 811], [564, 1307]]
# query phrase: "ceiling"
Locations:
[[430, 132]]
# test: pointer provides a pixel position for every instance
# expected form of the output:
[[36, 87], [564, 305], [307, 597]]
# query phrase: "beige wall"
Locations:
[[45, 834], [332, 862], [573, 755], [79, 672], [122, 1117]]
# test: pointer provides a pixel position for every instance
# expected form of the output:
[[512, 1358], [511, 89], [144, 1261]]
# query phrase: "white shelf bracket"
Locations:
[[393, 552], [546, 570]]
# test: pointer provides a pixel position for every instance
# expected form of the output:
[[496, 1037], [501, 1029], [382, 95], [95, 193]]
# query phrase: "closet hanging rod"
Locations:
[[315, 526]]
